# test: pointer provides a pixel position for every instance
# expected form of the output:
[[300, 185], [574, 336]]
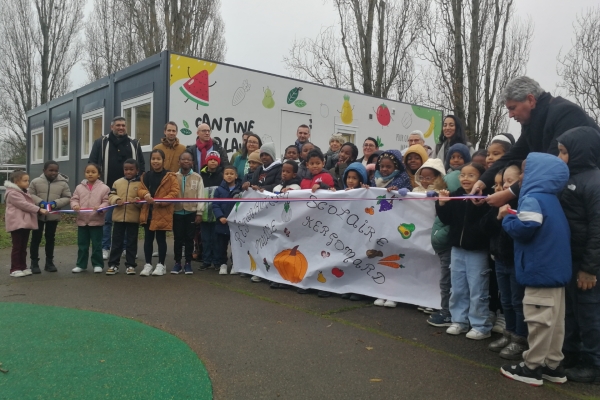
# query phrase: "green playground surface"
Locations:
[[63, 353]]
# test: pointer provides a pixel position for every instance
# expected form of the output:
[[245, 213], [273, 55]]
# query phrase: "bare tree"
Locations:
[[39, 48], [377, 40], [579, 68], [483, 38]]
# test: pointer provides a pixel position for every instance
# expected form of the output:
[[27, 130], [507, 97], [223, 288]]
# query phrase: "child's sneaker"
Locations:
[[556, 375], [255, 279], [476, 335], [130, 271], [160, 270], [428, 310], [456, 329], [379, 302], [97, 270], [521, 373], [439, 320], [147, 270], [233, 271], [112, 270], [176, 269], [27, 272], [187, 268], [17, 274], [77, 270], [223, 269]]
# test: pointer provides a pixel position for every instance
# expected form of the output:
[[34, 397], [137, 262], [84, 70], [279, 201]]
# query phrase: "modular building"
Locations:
[[231, 99]]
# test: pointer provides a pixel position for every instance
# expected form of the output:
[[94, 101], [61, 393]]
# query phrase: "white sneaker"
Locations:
[[233, 272], [160, 270], [27, 271], [155, 254], [255, 278], [105, 254], [389, 303], [455, 329], [223, 270], [147, 270], [17, 274], [379, 302], [476, 335], [500, 323], [97, 270], [77, 270]]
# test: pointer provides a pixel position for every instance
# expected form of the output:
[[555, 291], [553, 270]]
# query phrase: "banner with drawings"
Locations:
[[364, 241]]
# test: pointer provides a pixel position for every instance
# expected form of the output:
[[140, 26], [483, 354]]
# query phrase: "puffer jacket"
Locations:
[[421, 152], [190, 186], [223, 209], [501, 244], [172, 152], [267, 178], [438, 183], [540, 229], [86, 198], [126, 190], [162, 215], [580, 199], [21, 212], [463, 217], [58, 191]]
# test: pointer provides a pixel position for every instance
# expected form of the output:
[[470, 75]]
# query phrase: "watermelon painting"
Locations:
[[196, 89]]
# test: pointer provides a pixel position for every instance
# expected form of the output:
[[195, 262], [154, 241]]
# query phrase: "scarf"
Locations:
[[273, 164], [203, 147], [122, 145], [383, 181]]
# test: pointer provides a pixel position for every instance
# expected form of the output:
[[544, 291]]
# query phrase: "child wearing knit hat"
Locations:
[[253, 163]]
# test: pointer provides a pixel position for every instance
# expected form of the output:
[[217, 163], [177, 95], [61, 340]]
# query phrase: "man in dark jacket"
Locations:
[[580, 201], [110, 152], [543, 119], [204, 145]]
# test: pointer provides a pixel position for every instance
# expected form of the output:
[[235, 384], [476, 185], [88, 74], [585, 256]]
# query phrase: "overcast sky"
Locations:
[[259, 33]]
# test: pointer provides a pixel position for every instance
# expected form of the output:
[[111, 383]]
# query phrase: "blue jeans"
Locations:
[[445, 281], [511, 297], [107, 229], [207, 231], [582, 324], [470, 293]]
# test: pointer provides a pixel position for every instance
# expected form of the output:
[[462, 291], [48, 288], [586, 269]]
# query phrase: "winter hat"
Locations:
[[358, 168], [255, 156], [268, 148], [393, 155], [213, 155], [460, 148]]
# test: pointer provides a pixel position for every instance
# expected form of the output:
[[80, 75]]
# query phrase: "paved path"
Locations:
[[259, 343]]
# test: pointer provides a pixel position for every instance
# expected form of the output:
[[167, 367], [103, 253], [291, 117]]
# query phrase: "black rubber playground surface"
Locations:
[[55, 352]]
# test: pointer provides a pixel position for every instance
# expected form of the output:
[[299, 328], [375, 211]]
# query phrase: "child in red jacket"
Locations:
[[317, 177]]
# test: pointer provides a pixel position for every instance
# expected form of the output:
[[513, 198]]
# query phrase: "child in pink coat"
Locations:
[[90, 195], [21, 218]]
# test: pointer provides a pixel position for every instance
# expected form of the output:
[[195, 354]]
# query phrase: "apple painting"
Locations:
[[338, 273]]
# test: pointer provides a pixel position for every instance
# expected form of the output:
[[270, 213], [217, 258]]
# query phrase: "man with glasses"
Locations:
[[204, 145]]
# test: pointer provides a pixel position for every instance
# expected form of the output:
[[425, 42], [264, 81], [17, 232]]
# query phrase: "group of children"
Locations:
[[528, 254]]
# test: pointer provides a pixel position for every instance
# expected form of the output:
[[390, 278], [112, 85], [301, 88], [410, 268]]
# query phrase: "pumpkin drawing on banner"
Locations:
[[291, 265], [286, 214]]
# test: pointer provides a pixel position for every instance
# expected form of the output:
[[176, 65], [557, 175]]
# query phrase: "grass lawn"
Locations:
[[66, 233]]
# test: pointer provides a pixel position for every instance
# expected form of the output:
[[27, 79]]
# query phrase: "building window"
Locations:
[[93, 124], [37, 146], [60, 141], [138, 119]]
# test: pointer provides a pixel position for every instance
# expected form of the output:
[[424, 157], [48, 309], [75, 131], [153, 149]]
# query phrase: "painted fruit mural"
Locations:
[[196, 88], [383, 115], [268, 101], [346, 114], [291, 265], [433, 117]]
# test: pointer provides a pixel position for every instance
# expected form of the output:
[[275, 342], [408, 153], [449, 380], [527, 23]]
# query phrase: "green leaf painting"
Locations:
[[185, 131], [379, 142], [185, 123], [300, 103], [293, 95]]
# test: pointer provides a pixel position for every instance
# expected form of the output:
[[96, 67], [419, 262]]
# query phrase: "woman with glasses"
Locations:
[[370, 146], [253, 143]]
